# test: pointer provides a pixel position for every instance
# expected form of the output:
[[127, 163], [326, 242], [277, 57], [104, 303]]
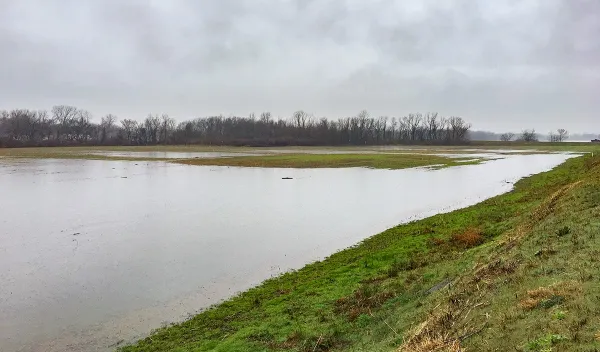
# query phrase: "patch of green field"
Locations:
[[376, 161], [297, 160], [516, 272]]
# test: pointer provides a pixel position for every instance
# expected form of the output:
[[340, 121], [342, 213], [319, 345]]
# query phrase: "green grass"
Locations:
[[295, 160], [376, 161], [465, 278]]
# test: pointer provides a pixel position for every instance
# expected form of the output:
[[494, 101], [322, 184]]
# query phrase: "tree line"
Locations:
[[69, 125], [560, 135]]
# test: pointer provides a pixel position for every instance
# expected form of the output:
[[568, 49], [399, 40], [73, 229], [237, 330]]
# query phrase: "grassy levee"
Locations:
[[515, 272]]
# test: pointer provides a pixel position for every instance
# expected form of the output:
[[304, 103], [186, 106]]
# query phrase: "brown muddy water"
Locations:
[[98, 253]]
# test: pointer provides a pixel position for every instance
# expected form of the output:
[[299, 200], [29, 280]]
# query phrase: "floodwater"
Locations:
[[482, 154], [171, 155], [96, 253]]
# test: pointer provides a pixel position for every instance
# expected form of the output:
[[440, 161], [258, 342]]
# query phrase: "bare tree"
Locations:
[[528, 136], [563, 134], [167, 125], [22, 125], [152, 125], [106, 124], [412, 123], [82, 127], [265, 117], [432, 124], [458, 129], [507, 137], [64, 116], [381, 128], [45, 124], [393, 129], [300, 118], [129, 127]]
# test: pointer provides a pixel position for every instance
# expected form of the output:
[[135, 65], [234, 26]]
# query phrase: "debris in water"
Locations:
[[76, 234], [123, 176], [287, 178]]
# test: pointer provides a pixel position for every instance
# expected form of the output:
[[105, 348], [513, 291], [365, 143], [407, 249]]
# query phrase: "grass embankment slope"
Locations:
[[516, 272], [289, 159]]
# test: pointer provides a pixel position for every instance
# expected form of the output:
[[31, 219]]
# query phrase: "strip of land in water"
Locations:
[[381, 157], [375, 161], [279, 158], [518, 271]]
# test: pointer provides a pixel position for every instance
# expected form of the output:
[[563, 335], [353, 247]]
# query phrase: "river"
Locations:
[[95, 253]]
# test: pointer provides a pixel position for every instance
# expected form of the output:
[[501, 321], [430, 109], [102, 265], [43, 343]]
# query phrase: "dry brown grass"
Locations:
[[536, 296], [493, 269], [469, 238], [433, 343], [428, 336]]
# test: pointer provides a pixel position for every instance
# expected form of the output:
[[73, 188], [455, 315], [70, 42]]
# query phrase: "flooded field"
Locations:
[[96, 253]]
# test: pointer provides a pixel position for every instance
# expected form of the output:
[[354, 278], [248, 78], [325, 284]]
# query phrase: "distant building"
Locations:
[[595, 140]]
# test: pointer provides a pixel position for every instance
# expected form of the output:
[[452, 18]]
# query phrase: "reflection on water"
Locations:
[[94, 252]]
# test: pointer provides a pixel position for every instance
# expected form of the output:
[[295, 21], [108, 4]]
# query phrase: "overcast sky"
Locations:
[[501, 64]]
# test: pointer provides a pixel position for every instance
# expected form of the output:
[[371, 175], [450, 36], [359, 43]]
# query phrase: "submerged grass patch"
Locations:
[[298, 160], [376, 161], [445, 283]]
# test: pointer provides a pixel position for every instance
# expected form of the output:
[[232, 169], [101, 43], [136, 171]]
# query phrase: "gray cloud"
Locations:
[[501, 64]]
